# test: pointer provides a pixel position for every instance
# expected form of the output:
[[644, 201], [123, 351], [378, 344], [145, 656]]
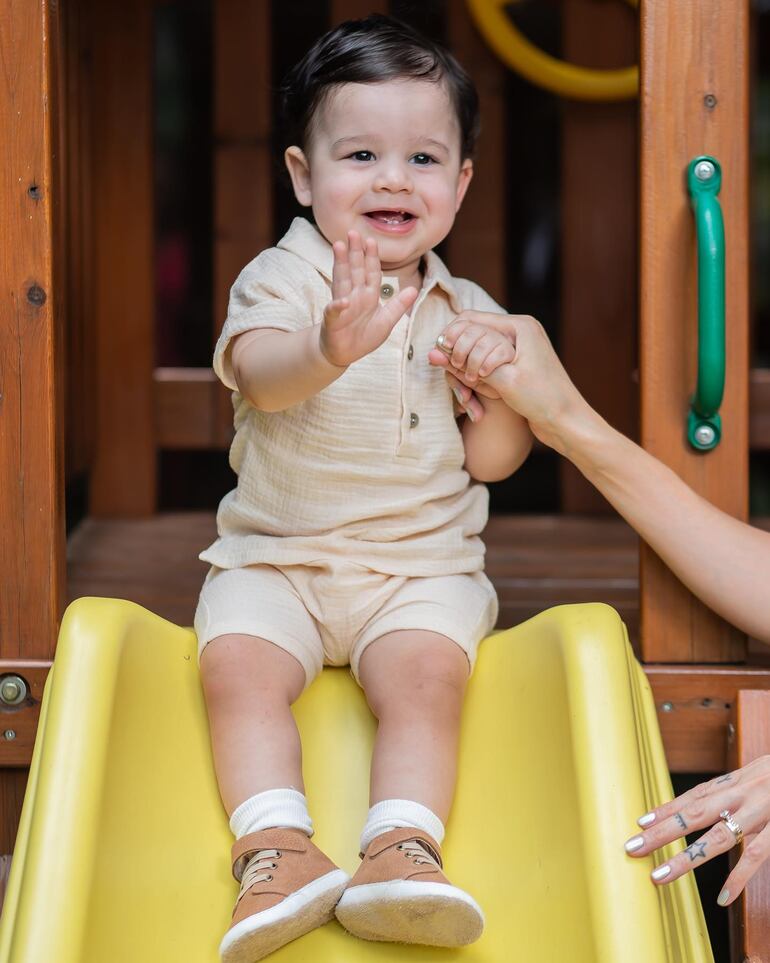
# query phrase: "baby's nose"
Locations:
[[394, 177]]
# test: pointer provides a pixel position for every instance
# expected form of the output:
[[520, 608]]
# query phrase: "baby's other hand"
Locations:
[[472, 348], [355, 323]]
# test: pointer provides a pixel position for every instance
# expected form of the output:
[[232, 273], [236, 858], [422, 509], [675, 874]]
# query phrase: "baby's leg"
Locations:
[[415, 684], [249, 685]]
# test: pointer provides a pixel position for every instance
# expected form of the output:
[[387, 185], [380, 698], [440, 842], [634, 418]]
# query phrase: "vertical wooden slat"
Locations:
[[691, 50], [243, 152], [123, 477], [31, 477], [356, 9], [749, 917], [476, 246], [598, 336]]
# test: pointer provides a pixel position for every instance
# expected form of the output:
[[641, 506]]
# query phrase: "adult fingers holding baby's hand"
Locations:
[[733, 804]]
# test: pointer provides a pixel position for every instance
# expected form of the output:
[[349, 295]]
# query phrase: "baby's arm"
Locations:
[[497, 443], [276, 369]]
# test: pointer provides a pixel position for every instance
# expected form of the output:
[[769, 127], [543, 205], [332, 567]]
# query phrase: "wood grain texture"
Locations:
[[31, 456], [123, 475], [476, 247], [694, 703], [13, 785], [690, 50], [749, 916], [187, 405], [599, 227]]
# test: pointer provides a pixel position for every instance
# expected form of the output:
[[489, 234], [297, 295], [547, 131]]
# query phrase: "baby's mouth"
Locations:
[[390, 217]]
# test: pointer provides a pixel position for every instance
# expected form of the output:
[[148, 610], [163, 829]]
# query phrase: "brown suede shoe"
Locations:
[[288, 887], [399, 894]]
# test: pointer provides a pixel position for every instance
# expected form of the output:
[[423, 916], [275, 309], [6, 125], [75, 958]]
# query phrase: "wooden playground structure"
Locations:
[[81, 393]]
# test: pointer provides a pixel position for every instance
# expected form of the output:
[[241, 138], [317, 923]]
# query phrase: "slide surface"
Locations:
[[123, 848]]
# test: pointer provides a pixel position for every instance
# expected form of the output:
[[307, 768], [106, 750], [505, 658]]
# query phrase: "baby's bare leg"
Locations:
[[415, 683], [249, 685]]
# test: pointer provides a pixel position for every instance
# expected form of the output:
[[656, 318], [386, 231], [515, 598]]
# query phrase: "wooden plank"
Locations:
[[187, 403], [123, 476], [759, 409], [599, 225], [18, 724], [31, 474], [13, 785], [693, 704], [476, 247], [749, 917], [242, 81], [355, 9], [691, 52]]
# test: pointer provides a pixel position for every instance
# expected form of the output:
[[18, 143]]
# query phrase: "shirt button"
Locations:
[[414, 420], [387, 291], [410, 353]]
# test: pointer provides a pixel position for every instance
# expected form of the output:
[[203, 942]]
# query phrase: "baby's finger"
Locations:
[[341, 285], [755, 853], [356, 257], [719, 839], [464, 344], [335, 308], [372, 268], [502, 353]]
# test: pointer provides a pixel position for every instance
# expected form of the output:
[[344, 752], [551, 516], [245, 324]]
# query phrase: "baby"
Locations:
[[353, 534]]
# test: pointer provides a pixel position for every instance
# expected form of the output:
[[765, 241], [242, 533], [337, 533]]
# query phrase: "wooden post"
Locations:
[[31, 476], [694, 100], [476, 246], [599, 234], [123, 476], [749, 918]]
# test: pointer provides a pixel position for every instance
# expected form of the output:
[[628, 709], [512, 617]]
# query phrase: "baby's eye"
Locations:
[[362, 155], [423, 159]]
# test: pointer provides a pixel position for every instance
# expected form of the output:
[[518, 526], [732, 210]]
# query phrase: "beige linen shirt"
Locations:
[[369, 470]]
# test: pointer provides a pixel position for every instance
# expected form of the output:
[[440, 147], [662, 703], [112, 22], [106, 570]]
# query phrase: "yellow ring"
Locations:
[[567, 80]]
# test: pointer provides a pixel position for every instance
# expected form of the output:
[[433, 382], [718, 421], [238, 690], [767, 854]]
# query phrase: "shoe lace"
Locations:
[[417, 851], [255, 869]]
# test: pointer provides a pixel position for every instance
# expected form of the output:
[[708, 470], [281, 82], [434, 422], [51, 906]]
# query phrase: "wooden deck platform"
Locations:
[[534, 562]]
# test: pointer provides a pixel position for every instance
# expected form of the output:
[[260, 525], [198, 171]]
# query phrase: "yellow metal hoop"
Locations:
[[567, 80]]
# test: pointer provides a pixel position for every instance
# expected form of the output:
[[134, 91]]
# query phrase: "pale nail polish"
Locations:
[[469, 413], [723, 897], [646, 819], [660, 873], [636, 842], [458, 395]]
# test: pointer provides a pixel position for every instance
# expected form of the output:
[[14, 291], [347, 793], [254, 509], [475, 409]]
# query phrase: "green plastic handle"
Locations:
[[704, 426]]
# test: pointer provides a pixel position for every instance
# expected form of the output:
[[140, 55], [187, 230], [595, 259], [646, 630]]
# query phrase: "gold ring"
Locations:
[[727, 818]]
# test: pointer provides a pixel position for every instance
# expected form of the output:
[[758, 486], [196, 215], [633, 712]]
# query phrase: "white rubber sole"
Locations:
[[263, 933], [408, 911]]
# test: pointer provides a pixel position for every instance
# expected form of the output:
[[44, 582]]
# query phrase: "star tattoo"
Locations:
[[694, 850]]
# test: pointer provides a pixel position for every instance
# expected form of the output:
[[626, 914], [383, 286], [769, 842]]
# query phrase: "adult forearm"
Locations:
[[496, 445], [720, 559], [278, 369]]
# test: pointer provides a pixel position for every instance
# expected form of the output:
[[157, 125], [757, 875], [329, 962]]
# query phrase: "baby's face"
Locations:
[[384, 160]]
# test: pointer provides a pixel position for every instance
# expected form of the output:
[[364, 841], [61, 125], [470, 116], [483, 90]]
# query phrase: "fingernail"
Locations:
[[459, 395], [660, 873], [636, 842], [723, 897], [469, 413], [646, 819]]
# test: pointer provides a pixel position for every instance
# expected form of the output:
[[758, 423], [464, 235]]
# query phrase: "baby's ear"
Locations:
[[463, 181], [299, 172]]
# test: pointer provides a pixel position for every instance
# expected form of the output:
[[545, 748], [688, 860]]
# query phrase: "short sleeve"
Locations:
[[278, 290]]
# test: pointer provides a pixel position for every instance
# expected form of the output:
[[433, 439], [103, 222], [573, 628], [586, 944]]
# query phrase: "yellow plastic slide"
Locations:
[[123, 849]]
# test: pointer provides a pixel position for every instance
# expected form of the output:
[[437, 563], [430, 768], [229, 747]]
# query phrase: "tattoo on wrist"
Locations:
[[680, 819], [695, 850]]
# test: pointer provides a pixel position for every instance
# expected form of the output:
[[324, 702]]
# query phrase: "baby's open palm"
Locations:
[[355, 323]]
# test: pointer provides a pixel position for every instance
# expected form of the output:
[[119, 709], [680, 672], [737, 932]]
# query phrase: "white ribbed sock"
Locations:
[[274, 808], [400, 814]]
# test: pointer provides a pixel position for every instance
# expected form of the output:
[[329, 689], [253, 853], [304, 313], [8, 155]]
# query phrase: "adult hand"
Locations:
[[745, 794], [534, 384]]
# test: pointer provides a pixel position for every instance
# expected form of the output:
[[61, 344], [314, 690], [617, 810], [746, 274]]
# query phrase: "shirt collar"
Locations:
[[306, 241]]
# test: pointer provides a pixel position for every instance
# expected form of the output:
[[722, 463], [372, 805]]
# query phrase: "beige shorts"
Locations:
[[328, 614]]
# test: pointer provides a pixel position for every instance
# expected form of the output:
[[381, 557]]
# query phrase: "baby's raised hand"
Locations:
[[472, 348], [354, 322]]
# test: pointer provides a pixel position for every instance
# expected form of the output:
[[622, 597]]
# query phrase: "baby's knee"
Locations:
[[433, 683]]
